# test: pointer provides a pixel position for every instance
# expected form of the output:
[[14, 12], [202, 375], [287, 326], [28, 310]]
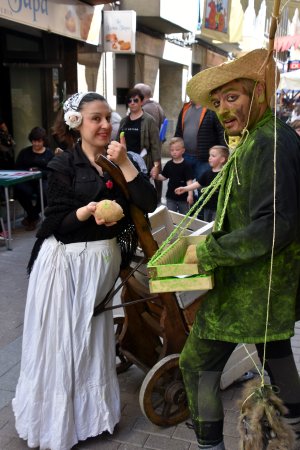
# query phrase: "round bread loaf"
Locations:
[[109, 210]]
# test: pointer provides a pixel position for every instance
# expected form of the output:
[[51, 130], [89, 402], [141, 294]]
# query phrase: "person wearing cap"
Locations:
[[254, 249], [68, 388]]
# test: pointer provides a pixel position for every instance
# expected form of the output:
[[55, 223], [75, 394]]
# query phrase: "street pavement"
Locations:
[[134, 430]]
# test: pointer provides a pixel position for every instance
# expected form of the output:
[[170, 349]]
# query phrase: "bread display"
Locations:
[[116, 43]]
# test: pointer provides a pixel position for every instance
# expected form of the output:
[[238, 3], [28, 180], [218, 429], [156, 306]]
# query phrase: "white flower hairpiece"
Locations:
[[73, 118]]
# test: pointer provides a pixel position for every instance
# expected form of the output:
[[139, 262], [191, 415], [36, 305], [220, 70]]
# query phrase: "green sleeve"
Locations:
[[249, 235]]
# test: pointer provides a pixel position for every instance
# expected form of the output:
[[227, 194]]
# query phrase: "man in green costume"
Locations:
[[254, 250]]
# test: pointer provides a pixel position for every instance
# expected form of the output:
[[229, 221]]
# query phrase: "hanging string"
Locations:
[[262, 373], [274, 232]]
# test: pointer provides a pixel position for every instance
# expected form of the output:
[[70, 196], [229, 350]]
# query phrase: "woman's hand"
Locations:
[[117, 153], [85, 212]]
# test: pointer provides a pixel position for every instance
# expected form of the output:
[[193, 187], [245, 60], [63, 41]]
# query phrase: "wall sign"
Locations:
[[119, 31], [75, 20]]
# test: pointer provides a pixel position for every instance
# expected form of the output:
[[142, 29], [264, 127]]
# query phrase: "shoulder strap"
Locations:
[[184, 111]]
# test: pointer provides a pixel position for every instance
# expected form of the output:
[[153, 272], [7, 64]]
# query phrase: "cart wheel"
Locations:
[[162, 395], [124, 363]]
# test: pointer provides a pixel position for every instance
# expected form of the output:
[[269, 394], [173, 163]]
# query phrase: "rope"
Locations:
[[273, 236], [180, 229]]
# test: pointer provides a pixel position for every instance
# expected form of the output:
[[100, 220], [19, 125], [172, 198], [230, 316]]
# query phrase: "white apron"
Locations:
[[68, 388]]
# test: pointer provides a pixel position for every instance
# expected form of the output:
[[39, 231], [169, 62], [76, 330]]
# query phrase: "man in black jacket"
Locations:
[[200, 129]]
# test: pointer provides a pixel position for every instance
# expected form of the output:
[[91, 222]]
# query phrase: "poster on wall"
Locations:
[[119, 31], [219, 21], [216, 15]]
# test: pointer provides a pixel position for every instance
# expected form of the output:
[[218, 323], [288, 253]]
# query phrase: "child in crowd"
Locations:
[[218, 156], [179, 173]]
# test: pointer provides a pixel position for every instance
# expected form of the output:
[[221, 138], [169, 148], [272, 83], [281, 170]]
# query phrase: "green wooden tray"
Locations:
[[168, 273]]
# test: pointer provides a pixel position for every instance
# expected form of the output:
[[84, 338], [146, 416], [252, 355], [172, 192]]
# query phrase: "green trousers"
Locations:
[[202, 363]]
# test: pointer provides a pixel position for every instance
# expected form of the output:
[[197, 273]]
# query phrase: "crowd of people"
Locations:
[[223, 150]]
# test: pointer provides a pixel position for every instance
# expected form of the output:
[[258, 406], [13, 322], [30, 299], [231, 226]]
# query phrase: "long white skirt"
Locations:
[[68, 388]]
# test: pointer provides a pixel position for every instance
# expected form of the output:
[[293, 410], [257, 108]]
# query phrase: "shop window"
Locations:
[[22, 47]]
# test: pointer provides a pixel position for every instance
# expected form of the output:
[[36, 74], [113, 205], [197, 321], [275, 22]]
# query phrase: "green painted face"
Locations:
[[232, 105]]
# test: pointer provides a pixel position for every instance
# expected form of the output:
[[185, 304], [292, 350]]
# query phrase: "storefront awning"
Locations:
[[290, 80], [284, 43]]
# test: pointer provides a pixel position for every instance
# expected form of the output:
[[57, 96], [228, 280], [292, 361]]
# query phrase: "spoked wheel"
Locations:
[[162, 395], [123, 363]]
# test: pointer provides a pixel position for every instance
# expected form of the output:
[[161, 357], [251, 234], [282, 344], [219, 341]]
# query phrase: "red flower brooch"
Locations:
[[109, 184]]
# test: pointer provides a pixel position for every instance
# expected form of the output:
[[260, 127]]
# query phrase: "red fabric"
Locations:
[[284, 43]]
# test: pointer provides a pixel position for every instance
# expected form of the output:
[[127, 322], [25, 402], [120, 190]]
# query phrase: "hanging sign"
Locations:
[[220, 20], [119, 31]]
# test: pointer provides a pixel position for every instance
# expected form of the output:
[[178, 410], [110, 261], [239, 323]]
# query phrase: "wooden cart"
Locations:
[[155, 326]]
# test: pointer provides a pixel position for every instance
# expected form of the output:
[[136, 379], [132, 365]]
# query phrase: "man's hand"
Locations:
[[190, 198], [180, 190]]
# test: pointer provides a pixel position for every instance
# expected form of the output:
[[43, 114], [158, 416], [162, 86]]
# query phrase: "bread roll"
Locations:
[[109, 210]]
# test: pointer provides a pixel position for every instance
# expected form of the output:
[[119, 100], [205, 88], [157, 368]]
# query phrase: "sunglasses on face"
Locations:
[[133, 100]]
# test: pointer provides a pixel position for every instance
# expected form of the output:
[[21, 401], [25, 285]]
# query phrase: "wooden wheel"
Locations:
[[123, 363], [162, 395]]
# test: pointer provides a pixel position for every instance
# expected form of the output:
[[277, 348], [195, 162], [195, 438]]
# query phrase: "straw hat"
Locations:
[[258, 65]]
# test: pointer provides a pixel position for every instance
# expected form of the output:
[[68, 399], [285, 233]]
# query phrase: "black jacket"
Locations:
[[210, 132], [73, 182]]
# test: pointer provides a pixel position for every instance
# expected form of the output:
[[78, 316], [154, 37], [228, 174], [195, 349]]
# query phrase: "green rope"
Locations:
[[179, 230], [207, 193]]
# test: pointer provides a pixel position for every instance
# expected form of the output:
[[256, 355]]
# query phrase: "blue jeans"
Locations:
[[199, 167]]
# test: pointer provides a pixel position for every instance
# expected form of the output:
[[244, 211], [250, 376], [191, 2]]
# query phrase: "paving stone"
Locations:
[[146, 426], [231, 416], [10, 355], [231, 443], [130, 436], [9, 380], [9, 429], [5, 397], [16, 444], [97, 443], [4, 440], [230, 429], [161, 443], [194, 447], [184, 433]]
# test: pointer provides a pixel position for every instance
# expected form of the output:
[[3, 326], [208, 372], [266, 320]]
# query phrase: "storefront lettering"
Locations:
[[37, 6]]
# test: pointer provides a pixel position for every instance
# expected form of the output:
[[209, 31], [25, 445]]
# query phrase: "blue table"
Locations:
[[9, 178]]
